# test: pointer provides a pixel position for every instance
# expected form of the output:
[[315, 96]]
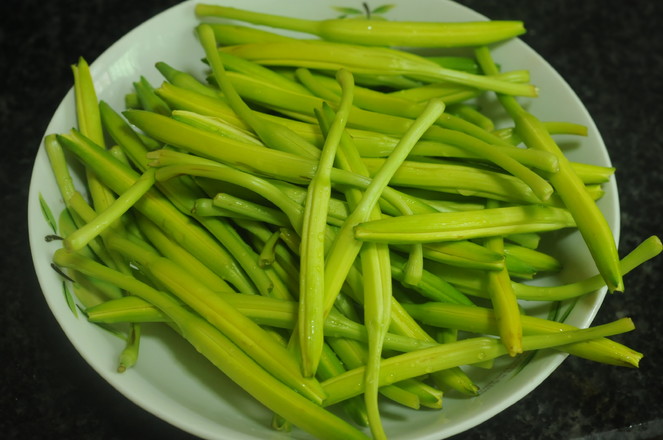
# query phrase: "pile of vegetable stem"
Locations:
[[327, 218]]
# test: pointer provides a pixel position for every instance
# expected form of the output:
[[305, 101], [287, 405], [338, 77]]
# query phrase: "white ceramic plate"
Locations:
[[171, 380]]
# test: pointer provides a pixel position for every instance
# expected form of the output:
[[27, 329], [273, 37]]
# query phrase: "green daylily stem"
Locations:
[[362, 59], [314, 224], [481, 320], [172, 250], [223, 353], [148, 99], [111, 214], [267, 255], [251, 210], [444, 226], [195, 166], [503, 299], [273, 135], [348, 159], [262, 310], [129, 354], [455, 131], [345, 247], [464, 352], [195, 239], [648, 249], [589, 219], [378, 32], [459, 179], [215, 124], [244, 332], [472, 282]]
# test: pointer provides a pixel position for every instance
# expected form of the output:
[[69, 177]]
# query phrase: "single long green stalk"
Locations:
[[448, 92], [362, 59], [205, 207], [481, 320], [443, 226], [472, 115], [464, 352], [503, 299], [89, 123], [184, 80], [376, 272], [314, 223], [590, 173], [648, 249], [589, 219], [378, 32], [87, 109], [537, 260], [59, 166]]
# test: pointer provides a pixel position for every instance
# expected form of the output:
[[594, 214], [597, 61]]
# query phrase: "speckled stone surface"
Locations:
[[610, 52]]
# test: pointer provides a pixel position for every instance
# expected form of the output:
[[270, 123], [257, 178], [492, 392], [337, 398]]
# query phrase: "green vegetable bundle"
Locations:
[[332, 218]]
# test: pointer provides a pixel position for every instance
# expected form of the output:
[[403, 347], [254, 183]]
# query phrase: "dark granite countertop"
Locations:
[[609, 51]]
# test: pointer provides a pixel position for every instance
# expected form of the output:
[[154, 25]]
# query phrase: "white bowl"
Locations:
[[174, 382]]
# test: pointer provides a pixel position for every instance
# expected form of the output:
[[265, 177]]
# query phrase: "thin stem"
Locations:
[[312, 259]]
